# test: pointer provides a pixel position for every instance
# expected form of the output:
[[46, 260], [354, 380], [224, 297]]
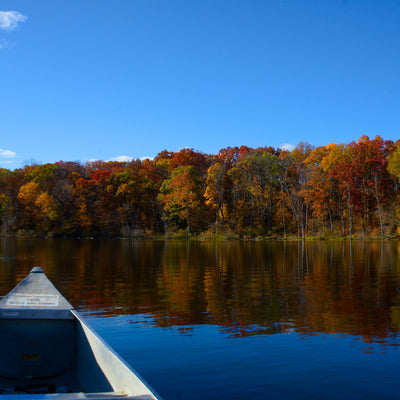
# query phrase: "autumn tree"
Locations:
[[293, 177], [27, 196], [253, 190], [231, 156], [262, 179], [364, 178], [46, 209], [6, 212], [43, 175], [394, 160], [105, 214], [84, 197], [321, 190], [129, 195], [153, 174], [10, 182], [190, 157], [215, 189], [255, 181], [181, 195]]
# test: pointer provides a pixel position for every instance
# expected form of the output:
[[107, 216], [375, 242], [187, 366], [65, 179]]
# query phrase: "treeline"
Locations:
[[343, 190]]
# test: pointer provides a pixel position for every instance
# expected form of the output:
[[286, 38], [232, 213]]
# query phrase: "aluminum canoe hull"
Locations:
[[48, 350]]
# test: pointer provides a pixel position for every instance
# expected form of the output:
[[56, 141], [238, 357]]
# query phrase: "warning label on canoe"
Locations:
[[41, 300]]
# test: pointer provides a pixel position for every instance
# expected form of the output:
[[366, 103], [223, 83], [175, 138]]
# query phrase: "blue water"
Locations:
[[207, 363], [234, 320]]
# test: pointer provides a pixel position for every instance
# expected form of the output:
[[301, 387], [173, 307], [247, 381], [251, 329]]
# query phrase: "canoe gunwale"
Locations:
[[126, 380]]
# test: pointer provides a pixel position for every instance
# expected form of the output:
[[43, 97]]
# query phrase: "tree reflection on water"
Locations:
[[244, 287]]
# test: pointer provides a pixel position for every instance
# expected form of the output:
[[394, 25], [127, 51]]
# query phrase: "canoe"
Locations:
[[47, 350]]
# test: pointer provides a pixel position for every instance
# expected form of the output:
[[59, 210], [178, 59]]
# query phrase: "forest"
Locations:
[[345, 190]]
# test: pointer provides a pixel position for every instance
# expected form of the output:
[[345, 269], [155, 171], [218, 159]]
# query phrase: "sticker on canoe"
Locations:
[[30, 356], [42, 300]]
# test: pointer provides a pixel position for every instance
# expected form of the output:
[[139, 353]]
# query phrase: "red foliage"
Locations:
[[190, 157]]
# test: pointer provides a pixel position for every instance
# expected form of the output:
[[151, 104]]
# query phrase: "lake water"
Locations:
[[234, 320]]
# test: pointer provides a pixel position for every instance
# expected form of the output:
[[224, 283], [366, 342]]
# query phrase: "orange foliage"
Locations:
[[253, 191]]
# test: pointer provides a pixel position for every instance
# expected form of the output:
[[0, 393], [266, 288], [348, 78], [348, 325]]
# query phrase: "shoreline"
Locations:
[[208, 237]]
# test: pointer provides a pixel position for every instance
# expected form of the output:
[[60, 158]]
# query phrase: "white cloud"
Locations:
[[121, 159], [287, 146], [7, 154], [9, 20], [9, 159], [146, 158]]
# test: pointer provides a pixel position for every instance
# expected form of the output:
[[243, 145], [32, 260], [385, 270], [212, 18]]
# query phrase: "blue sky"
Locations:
[[84, 80]]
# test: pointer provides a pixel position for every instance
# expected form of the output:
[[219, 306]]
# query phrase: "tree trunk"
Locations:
[[165, 220], [330, 218], [302, 220], [283, 212], [221, 207], [306, 226], [188, 219], [341, 218], [378, 202], [350, 214], [363, 224], [235, 212]]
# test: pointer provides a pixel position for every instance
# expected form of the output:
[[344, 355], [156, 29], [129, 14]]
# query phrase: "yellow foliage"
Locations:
[[28, 193], [215, 185], [45, 205], [84, 220], [335, 154], [394, 162]]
